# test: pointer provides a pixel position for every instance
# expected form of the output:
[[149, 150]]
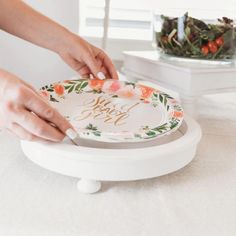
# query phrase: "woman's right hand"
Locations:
[[27, 115]]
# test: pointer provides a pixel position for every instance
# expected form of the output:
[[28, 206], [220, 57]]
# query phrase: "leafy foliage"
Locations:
[[201, 40]]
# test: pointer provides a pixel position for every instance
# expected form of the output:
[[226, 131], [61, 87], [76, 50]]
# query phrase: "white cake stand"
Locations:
[[94, 162]]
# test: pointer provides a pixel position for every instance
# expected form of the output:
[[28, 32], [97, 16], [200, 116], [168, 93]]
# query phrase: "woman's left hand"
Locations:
[[87, 59]]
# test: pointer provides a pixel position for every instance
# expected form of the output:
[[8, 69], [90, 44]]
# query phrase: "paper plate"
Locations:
[[115, 111]]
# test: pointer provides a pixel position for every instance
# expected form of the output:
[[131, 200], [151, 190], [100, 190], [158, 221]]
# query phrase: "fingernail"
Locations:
[[71, 133], [101, 76]]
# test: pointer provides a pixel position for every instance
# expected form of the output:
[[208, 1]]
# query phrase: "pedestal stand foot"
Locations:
[[88, 186]]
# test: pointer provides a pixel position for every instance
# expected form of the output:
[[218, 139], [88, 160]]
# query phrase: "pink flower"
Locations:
[[173, 101], [44, 94], [126, 92], [146, 91], [96, 84], [116, 85], [112, 86], [178, 114]]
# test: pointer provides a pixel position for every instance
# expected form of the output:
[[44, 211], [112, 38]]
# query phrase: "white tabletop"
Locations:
[[197, 200]]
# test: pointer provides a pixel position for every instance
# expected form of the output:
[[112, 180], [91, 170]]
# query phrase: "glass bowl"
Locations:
[[195, 35]]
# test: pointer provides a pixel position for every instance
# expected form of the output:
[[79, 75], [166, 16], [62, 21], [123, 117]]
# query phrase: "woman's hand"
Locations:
[[22, 110], [34, 27], [27, 115], [86, 59]]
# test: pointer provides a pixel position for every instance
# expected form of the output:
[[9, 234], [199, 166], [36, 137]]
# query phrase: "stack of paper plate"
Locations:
[[115, 111]]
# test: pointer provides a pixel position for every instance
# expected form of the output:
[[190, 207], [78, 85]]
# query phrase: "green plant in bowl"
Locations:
[[199, 40]]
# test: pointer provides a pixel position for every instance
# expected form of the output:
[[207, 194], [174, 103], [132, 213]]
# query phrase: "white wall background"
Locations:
[[33, 64]]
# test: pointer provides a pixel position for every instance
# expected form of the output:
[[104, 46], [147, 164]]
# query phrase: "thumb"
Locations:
[[93, 65]]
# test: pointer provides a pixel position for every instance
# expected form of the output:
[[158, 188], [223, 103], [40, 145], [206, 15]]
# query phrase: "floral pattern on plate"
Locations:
[[107, 92]]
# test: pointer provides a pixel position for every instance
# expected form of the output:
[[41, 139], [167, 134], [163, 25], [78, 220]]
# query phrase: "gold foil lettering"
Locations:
[[103, 108]]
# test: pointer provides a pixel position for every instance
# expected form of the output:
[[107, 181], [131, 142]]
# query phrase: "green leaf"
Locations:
[[168, 96], [91, 127], [130, 83], [151, 133], [229, 35], [165, 101], [77, 87], [161, 128], [97, 91], [187, 31], [97, 133], [81, 86], [161, 98], [71, 89], [137, 136], [67, 87], [155, 95], [72, 82], [52, 99], [173, 124], [84, 84]]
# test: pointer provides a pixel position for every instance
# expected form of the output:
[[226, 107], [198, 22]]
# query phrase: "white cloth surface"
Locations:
[[198, 200]]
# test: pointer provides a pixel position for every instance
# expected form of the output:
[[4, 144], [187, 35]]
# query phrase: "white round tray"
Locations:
[[94, 162]]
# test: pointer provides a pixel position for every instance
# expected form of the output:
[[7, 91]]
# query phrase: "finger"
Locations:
[[22, 134], [93, 65], [31, 88], [104, 70], [38, 127], [77, 66], [70, 61], [28, 86], [99, 62], [84, 71], [48, 113], [107, 63]]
